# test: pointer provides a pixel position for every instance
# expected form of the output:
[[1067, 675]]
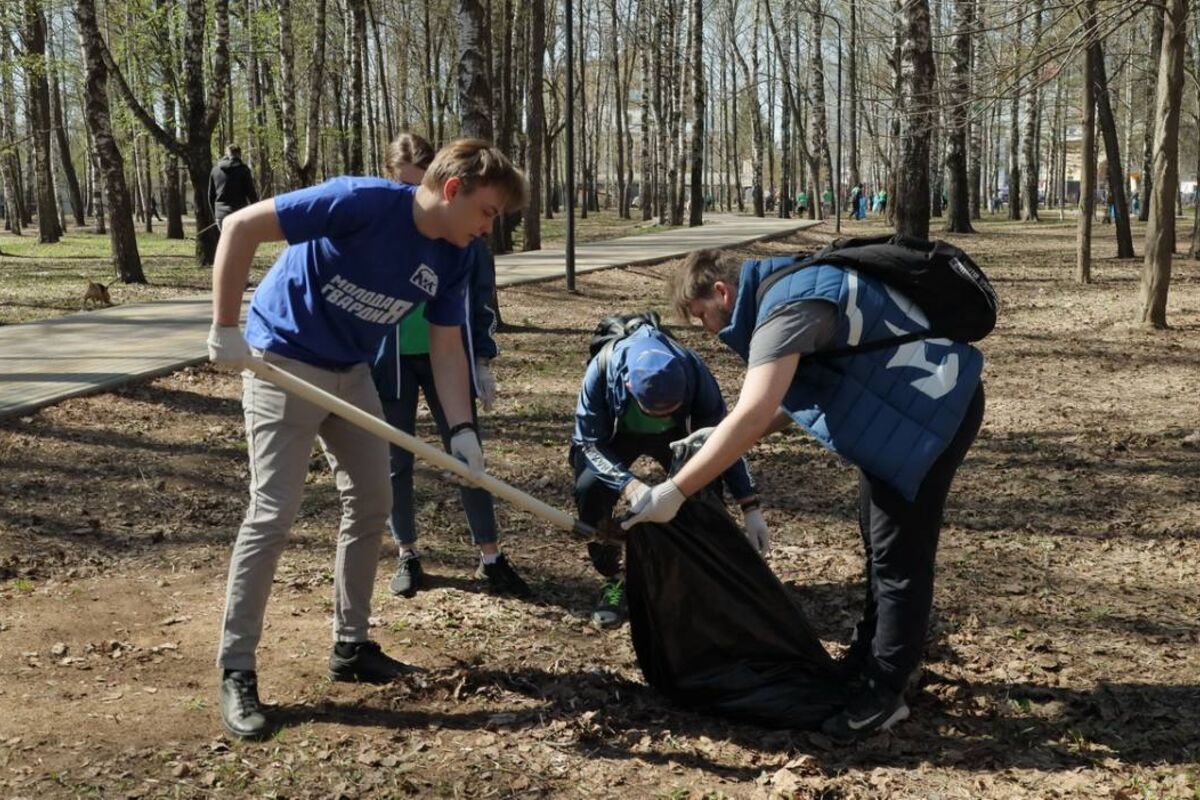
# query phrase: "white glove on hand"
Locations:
[[465, 446], [660, 504], [756, 530], [683, 449], [485, 383], [227, 348], [634, 492]]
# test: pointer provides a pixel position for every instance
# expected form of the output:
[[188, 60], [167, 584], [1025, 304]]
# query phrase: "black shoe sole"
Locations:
[[253, 736], [337, 677]]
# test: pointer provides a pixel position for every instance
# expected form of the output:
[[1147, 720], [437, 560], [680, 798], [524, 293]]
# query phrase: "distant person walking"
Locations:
[[230, 186]]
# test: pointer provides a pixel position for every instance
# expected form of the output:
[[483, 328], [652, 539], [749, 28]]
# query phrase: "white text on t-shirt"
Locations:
[[369, 306]]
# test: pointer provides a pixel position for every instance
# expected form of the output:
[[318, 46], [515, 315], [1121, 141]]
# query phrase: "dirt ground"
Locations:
[[1062, 661]]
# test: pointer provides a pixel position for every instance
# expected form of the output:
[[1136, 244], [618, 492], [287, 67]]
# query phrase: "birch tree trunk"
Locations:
[[1033, 124], [958, 214], [1160, 228], [820, 126], [911, 200], [1087, 176], [1014, 128], [645, 192], [126, 261], [696, 217]]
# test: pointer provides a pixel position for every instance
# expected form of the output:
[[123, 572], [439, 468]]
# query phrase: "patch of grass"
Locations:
[[42, 281], [195, 704], [598, 226], [22, 584]]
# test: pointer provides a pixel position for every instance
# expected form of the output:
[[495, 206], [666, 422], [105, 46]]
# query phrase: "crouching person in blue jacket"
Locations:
[[648, 392], [402, 372], [904, 415]]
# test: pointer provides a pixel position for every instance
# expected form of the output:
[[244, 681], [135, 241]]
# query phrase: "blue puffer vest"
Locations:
[[892, 411]]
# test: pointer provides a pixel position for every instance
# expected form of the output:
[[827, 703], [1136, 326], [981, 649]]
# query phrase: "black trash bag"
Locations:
[[716, 631]]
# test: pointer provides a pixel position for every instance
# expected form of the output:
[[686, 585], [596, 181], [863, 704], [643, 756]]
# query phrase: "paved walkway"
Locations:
[[44, 362]]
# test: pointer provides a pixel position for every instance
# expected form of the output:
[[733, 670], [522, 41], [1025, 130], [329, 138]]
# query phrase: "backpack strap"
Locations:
[[828, 255]]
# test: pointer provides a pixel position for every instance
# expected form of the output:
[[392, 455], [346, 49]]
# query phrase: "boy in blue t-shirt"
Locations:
[[362, 253]]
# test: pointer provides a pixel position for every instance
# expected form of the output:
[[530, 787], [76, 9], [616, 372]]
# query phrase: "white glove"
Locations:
[[756, 530], [660, 504], [634, 492], [683, 449], [485, 383], [464, 446], [227, 348]]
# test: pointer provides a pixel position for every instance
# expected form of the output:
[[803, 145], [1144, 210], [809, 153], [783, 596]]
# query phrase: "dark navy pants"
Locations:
[[595, 501], [901, 539]]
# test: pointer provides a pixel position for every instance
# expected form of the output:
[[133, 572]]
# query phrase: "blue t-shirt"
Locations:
[[355, 264]]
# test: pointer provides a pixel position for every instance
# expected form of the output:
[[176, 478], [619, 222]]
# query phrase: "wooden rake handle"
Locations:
[[335, 405]]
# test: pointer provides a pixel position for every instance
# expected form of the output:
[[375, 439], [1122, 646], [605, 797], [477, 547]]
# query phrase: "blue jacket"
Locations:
[[604, 399], [478, 333], [892, 411]]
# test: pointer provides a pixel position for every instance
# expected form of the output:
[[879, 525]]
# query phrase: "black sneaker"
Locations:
[[241, 711], [853, 665], [611, 609], [409, 578], [875, 708], [365, 662], [503, 579]]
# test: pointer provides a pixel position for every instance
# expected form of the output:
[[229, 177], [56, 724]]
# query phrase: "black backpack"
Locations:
[[941, 279], [613, 329]]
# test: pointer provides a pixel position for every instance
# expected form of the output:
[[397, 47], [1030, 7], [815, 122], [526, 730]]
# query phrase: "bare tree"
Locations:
[[1014, 129], [39, 121], [1112, 150], [1033, 124], [535, 122], [1087, 178], [911, 200], [126, 261], [202, 110], [958, 214], [1160, 229], [9, 168], [1153, 60], [756, 124], [855, 178], [696, 216], [58, 118], [820, 127]]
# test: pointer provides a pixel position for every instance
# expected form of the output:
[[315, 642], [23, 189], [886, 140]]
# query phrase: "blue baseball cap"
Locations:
[[656, 375]]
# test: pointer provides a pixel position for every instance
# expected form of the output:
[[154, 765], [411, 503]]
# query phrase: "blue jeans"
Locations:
[[416, 376]]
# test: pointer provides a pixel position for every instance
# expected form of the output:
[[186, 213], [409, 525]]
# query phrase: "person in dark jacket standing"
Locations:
[[230, 186], [647, 393], [904, 415], [402, 372]]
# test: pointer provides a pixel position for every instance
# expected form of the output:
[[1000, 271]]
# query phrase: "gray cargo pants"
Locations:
[[280, 430]]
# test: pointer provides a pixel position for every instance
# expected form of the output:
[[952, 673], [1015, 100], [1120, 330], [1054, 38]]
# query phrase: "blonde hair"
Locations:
[[695, 278], [407, 148], [477, 163]]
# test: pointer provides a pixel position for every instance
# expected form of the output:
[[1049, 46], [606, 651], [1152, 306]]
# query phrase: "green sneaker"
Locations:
[[611, 609]]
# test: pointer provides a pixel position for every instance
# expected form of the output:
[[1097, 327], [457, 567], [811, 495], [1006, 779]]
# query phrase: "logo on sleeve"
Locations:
[[425, 279]]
